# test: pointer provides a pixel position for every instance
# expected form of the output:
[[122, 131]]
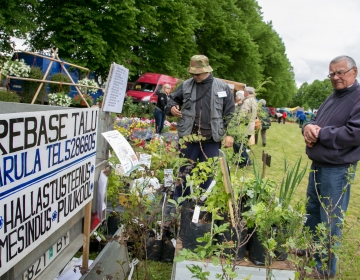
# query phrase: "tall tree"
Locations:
[[16, 19], [166, 40], [90, 33], [223, 36], [317, 92], [299, 97]]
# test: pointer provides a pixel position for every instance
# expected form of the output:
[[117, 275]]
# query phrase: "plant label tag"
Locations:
[[168, 178], [195, 218]]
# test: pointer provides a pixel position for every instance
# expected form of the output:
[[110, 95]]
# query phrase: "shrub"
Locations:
[[9, 96], [30, 88], [60, 77]]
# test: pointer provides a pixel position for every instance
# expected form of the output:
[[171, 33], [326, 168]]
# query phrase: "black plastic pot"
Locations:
[[257, 252], [112, 224], [153, 248], [231, 236], [190, 231], [168, 248]]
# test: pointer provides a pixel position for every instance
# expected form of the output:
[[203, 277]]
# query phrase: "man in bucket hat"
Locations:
[[204, 105]]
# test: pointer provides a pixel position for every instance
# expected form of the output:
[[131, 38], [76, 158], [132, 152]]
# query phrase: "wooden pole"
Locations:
[[51, 82], [44, 77], [264, 164], [87, 224], [57, 59], [223, 167]]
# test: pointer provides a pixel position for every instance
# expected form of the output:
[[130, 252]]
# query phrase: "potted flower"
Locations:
[[59, 99], [87, 82], [99, 100], [16, 68], [77, 101]]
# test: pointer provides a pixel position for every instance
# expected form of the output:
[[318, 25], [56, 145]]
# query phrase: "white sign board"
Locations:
[[122, 149], [115, 89], [47, 164]]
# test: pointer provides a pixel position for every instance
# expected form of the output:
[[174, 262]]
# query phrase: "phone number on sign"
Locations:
[[59, 152], [79, 145]]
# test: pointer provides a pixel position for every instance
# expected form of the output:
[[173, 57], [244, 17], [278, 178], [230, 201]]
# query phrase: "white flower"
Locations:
[[87, 82], [15, 67], [59, 99]]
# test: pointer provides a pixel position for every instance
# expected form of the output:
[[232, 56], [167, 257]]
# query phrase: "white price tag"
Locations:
[[173, 241], [195, 218]]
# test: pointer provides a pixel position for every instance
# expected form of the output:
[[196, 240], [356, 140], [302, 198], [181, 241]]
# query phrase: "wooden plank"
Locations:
[[87, 224], [281, 265]]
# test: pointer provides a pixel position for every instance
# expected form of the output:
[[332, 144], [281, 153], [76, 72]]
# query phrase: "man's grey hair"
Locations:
[[349, 61], [250, 90], [263, 102], [240, 94]]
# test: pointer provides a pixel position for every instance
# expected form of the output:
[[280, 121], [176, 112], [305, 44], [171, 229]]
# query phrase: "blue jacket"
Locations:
[[339, 137]]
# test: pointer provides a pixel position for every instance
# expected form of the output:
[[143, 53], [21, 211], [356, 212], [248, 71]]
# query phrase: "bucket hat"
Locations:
[[199, 64]]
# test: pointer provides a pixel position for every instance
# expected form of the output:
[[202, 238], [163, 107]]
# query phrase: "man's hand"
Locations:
[[311, 134], [228, 142], [175, 111]]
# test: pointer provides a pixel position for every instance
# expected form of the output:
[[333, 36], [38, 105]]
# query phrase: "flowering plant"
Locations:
[[77, 99], [87, 82], [100, 98], [59, 99], [16, 67]]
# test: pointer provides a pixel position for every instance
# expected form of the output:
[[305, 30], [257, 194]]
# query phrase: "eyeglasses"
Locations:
[[339, 73]]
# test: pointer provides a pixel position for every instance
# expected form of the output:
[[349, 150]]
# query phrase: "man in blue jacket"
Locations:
[[332, 140]]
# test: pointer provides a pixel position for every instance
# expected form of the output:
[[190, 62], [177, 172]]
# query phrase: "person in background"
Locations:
[[332, 140], [264, 116], [284, 116], [159, 112], [249, 110], [239, 97], [205, 106], [279, 116], [302, 118]]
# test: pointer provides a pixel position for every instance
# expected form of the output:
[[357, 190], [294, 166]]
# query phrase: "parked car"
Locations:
[[145, 88]]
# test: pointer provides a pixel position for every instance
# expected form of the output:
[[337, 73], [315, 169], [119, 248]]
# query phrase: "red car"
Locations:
[[145, 87]]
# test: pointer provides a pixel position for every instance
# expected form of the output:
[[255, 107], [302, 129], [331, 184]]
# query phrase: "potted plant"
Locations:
[[77, 101], [61, 78], [88, 82], [99, 100], [59, 99], [15, 68]]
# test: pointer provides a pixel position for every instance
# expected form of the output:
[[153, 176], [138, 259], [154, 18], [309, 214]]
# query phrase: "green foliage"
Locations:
[[116, 185], [60, 77], [290, 182], [299, 97], [317, 92], [9, 96], [16, 19], [243, 47], [30, 88]]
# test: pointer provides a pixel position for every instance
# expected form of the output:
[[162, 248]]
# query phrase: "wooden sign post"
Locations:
[[266, 159], [227, 184]]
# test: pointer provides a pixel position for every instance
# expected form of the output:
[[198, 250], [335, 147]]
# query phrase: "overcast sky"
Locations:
[[314, 32]]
